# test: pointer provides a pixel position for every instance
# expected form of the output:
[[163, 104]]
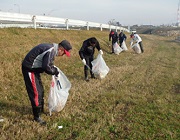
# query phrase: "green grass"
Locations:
[[138, 99]]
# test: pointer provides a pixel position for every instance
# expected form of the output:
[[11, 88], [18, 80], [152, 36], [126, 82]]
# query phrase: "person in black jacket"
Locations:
[[122, 37], [87, 54], [40, 59], [114, 36]]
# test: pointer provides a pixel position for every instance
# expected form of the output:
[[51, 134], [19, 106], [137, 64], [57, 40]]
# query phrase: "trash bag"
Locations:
[[136, 48], [117, 48], [59, 92], [99, 67], [123, 46]]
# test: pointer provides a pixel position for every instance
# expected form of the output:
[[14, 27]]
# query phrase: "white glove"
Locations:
[[101, 52], [84, 61]]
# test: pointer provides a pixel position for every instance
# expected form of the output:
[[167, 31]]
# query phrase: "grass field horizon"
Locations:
[[138, 99]]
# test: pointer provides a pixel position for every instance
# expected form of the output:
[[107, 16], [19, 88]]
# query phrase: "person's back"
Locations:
[[114, 36], [122, 37], [33, 60]]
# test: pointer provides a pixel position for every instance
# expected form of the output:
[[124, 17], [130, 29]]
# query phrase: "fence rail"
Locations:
[[8, 19]]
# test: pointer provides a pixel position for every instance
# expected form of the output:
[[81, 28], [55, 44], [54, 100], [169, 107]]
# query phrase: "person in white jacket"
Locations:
[[137, 39]]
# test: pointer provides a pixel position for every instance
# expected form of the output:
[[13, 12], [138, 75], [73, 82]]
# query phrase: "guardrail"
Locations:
[[8, 19]]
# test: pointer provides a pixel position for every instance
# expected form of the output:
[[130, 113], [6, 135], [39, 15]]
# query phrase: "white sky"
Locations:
[[126, 12]]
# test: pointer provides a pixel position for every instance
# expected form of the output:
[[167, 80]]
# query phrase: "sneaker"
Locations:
[[93, 77], [44, 113], [40, 121]]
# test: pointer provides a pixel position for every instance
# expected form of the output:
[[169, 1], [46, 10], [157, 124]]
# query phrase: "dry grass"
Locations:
[[139, 98]]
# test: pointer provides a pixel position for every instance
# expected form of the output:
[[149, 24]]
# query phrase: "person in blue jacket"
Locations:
[[122, 37], [38, 60]]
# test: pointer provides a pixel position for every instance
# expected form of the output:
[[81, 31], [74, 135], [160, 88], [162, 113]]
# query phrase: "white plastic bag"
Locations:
[[117, 48], [136, 48], [59, 92], [99, 67], [123, 46]]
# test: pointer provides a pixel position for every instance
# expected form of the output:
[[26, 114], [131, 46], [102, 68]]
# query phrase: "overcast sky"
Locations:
[[126, 12]]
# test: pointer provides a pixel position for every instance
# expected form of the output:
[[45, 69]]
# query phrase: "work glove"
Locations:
[[84, 61], [101, 52], [56, 73]]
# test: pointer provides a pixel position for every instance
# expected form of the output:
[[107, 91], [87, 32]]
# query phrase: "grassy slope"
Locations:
[[139, 98]]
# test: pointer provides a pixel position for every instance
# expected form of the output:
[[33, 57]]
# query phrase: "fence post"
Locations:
[[120, 28], [88, 26], [66, 22], [101, 26], [109, 27], [34, 21], [116, 28]]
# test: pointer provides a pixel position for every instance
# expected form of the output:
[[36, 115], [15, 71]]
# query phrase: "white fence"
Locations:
[[8, 19]]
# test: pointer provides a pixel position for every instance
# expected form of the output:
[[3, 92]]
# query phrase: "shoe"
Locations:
[[44, 113], [36, 113], [40, 121], [87, 79], [93, 77]]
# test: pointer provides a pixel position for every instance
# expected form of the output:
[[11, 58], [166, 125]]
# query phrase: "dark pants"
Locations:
[[34, 88], [113, 42], [120, 43], [88, 59], [141, 46]]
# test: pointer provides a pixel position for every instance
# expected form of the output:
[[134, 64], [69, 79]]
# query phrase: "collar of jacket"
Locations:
[[55, 48]]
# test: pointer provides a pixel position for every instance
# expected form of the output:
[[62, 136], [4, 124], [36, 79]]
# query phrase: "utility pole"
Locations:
[[178, 15]]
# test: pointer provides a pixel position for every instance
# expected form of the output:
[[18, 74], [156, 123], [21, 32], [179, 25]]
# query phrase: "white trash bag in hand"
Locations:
[[117, 48], [59, 92], [123, 46], [136, 48], [99, 67]]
